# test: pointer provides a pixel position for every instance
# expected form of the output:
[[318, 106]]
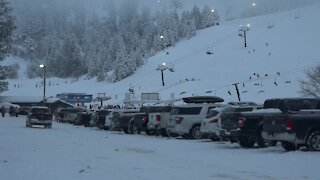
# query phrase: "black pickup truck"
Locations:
[[246, 127], [297, 125]]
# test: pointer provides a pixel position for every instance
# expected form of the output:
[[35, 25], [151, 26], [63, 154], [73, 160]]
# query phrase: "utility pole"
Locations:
[[42, 66]]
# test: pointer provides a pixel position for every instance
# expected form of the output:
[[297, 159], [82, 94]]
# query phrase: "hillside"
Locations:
[[280, 47]]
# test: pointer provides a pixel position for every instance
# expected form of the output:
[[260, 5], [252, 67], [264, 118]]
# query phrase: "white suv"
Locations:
[[211, 124], [185, 120]]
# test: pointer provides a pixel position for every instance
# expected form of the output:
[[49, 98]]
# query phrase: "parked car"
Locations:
[[185, 120], [120, 119], [157, 119], [138, 123], [211, 124], [67, 115], [83, 118], [99, 118], [23, 110], [39, 115], [230, 128], [295, 124]]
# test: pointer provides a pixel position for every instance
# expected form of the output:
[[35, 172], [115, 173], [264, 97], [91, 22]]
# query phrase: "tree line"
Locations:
[[74, 42]]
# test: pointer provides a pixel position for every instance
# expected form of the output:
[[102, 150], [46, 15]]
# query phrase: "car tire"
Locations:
[[164, 133], [126, 130], [246, 142], [313, 141], [195, 133], [288, 146], [170, 134], [214, 138], [100, 126], [28, 124], [134, 129]]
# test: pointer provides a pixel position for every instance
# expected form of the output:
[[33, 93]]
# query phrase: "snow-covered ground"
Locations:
[[69, 152]]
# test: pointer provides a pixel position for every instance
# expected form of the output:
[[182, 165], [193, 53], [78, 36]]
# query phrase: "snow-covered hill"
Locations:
[[280, 47]]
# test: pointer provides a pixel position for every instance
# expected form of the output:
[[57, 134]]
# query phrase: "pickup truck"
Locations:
[[295, 126], [246, 128], [39, 115]]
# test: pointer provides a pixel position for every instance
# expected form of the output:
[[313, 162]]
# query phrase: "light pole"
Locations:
[[243, 33], [164, 43], [42, 66], [162, 67]]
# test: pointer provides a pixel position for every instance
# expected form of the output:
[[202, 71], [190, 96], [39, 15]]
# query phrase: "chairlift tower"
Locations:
[[162, 67], [243, 33]]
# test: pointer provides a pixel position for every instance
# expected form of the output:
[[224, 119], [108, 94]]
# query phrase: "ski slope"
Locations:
[[281, 46]]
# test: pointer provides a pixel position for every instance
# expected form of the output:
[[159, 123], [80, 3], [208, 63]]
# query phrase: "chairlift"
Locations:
[[171, 67], [209, 51]]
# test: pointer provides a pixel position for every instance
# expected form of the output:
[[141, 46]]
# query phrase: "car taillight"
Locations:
[[289, 124], [214, 121], [158, 117], [179, 120], [241, 121]]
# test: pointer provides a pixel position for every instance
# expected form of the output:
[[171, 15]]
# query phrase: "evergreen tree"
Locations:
[[71, 64], [195, 13], [6, 29], [209, 17], [187, 28]]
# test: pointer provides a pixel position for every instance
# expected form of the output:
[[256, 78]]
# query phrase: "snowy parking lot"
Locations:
[[68, 152]]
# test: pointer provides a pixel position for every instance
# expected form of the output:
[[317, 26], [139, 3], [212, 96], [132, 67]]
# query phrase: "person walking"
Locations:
[[3, 111]]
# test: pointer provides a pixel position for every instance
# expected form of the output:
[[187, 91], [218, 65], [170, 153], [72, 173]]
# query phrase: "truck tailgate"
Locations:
[[275, 124], [229, 121]]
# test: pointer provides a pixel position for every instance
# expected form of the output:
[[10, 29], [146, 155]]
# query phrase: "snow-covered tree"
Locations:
[[196, 15], [187, 26], [71, 64], [311, 86], [6, 29], [73, 42], [209, 17]]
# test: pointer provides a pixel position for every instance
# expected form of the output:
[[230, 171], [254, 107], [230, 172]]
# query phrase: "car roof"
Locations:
[[200, 105], [40, 107]]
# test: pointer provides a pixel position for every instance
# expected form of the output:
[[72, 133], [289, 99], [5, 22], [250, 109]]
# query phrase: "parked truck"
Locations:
[[296, 125], [246, 128]]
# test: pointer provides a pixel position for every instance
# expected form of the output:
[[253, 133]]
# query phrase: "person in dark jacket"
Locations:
[[3, 111]]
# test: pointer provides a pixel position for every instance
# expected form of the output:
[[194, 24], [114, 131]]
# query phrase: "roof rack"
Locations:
[[202, 99]]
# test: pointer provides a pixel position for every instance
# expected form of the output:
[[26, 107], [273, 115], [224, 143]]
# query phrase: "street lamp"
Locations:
[[243, 33], [162, 67], [42, 66], [164, 43]]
